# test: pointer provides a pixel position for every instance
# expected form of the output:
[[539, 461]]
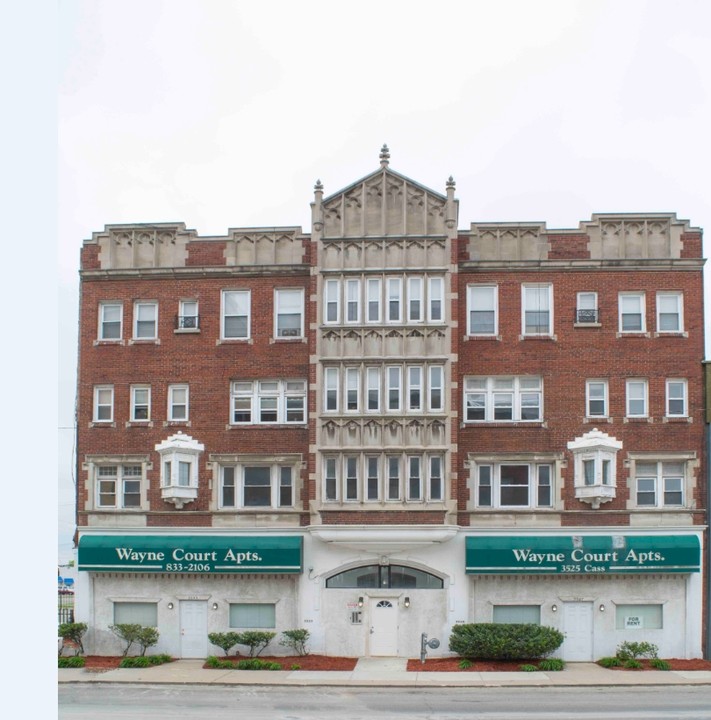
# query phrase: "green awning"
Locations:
[[582, 554], [191, 553]]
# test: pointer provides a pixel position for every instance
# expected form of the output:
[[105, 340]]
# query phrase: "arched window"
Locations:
[[385, 576]]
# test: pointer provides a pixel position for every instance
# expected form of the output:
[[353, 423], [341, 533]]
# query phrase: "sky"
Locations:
[[224, 113]]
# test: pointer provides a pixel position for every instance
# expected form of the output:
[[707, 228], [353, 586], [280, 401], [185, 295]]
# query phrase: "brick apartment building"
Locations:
[[390, 425]]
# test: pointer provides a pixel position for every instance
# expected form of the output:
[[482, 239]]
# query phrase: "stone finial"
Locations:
[[384, 156], [451, 183], [318, 187]]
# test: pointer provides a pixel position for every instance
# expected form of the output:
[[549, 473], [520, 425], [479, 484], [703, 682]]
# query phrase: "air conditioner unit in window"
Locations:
[[289, 332]]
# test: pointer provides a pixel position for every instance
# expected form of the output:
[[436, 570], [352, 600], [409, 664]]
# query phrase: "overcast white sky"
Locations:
[[223, 113]]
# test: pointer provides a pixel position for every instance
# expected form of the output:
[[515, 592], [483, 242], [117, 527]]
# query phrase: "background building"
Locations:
[[390, 425]]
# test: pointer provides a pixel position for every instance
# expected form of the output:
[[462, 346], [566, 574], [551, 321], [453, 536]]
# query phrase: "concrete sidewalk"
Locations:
[[383, 672]]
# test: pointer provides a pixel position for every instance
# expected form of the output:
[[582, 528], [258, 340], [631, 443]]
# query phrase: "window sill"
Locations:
[[638, 420], [504, 424], [551, 337], [259, 509], [679, 334], [587, 325], [592, 419], [287, 340], [144, 341], [234, 341], [186, 331], [513, 509], [263, 426], [477, 338], [139, 423], [640, 334], [102, 424], [177, 423], [678, 420], [118, 341]]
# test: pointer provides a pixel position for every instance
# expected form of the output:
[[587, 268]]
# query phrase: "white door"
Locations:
[[383, 627], [193, 628], [578, 631]]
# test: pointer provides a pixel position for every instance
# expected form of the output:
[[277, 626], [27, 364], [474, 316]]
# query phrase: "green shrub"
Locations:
[[635, 650], [128, 632], [551, 665], [296, 666], [255, 640], [160, 659], [226, 641], [632, 664], [504, 641], [71, 662], [257, 664], [609, 662], [148, 637], [528, 668], [659, 664], [465, 664], [74, 632], [136, 662], [296, 640], [214, 662]]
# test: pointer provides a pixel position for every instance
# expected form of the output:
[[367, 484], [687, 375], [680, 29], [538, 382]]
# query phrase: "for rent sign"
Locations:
[[582, 554]]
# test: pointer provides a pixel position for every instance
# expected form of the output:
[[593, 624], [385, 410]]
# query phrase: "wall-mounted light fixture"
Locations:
[[360, 601], [554, 607], [170, 606], [407, 602], [602, 607], [214, 606]]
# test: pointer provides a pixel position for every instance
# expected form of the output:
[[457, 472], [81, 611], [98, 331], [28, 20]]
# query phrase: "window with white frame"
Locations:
[[330, 395], [394, 387], [352, 390], [350, 470], [586, 311], [188, 318], [670, 315], [637, 398], [639, 617], [118, 485], [236, 307], [178, 403], [330, 475], [632, 312], [537, 309], [415, 306], [373, 292], [352, 301], [140, 403], [103, 403], [414, 477], [136, 613], [595, 467], [268, 402], [596, 398], [514, 485], [332, 299], [289, 313], [247, 485], [677, 398], [179, 456], [110, 321], [503, 399], [394, 462], [435, 302], [482, 304], [659, 484], [372, 375], [436, 388], [394, 299], [414, 388], [252, 615], [372, 477], [145, 320]]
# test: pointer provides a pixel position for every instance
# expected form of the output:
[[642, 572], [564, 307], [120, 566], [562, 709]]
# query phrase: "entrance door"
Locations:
[[578, 631], [193, 628], [383, 628]]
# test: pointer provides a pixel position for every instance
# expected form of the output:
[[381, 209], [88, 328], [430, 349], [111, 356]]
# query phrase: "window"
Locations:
[[257, 485], [503, 399], [331, 389], [586, 312], [373, 380], [352, 389], [414, 477], [136, 613], [637, 398], [393, 478], [436, 300], [373, 290], [414, 388], [639, 617], [631, 308], [394, 387], [110, 321], [435, 478], [596, 395], [676, 398], [330, 479], [178, 396], [394, 300], [264, 402], [436, 398], [659, 484], [351, 473], [482, 310], [513, 485], [104, 403], [527, 614], [595, 466], [352, 301], [179, 455], [372, 490], [236, 314], [537, 309], [252, 615], [140, 403], [145, 322], [289, 320], [332, 292], [188, 318], [670, 317], [385, 576], [415, 310], [118, 486]]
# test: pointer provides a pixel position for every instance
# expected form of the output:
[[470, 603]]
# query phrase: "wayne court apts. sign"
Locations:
[[190, 554], [582, 554]]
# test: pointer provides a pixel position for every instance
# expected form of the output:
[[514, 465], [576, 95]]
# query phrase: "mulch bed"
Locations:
[[305, 662], [452, 665], [674, 664]]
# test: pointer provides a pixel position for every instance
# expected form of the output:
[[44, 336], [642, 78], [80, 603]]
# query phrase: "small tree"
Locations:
[[225, 640], [296, 640], [633, 650], [255, 640], [128, 632], [74, 632], [148, 637]]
